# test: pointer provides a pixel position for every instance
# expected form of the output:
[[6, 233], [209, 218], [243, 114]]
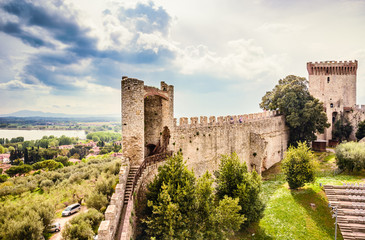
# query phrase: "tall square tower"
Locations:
[[334, 84]]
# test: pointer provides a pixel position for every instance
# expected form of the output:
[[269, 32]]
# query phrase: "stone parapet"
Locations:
[[108, 227], [221, 120], [332, 68]]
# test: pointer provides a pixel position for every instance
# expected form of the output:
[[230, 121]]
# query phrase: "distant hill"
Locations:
[[28, 113]]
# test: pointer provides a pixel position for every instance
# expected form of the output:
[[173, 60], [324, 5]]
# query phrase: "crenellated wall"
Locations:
[[108, 228], [259, 139]]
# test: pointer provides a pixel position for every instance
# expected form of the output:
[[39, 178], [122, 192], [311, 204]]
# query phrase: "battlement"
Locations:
[[332, 68], [222, 120], [360, 107]]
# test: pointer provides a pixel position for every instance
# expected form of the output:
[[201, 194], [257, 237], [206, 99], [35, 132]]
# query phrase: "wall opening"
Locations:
[[328, 79], [152, 122], [150, 149], [334, 117]]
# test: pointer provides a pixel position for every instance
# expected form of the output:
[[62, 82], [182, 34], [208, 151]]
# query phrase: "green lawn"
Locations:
[[289, 214]]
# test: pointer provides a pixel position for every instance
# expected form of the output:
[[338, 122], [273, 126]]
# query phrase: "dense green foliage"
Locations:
[[342, 129], [2, 149], [21, 169], [83, 225], [104, 136], [47, 164], [350, 156], [360, 133], [24, 220], [235, 181], [3, 178], [303, 113], [176, 204], [57, 189], [299, 166]]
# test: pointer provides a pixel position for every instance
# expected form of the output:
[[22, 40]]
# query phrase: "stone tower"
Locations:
[[334, 84], [147, 115]]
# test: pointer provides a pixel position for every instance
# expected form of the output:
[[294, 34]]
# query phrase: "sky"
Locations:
[[222, 56]]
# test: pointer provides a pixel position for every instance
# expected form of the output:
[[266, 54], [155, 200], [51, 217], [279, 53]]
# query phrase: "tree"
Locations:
[[342, 129], [299, 165], [22, 169], [360, 133], [233, 180], [2, 149], [49, 164], [304, 114], [215, 221], [96, 139], [63, 140], [11, 148], [97, 200], [180, 184], [176, 204], [164, 222]]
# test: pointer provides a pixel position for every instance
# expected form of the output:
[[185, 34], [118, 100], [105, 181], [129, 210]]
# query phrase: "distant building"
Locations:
[[5, 158]]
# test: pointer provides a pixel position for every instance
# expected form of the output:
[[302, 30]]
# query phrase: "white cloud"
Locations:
[[19, 85], [244, 59]]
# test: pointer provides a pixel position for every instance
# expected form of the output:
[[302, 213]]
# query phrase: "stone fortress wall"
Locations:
[[259, 139], [334, 84]]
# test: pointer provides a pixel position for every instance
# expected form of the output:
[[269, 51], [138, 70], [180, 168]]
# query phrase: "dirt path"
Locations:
[[63, 221]]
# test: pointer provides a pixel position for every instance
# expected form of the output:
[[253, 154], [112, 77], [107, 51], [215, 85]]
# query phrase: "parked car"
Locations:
[[71, 209], [54, 227]]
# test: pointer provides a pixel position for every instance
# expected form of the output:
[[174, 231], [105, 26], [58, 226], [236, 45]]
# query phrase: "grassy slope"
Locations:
[[288, 213]]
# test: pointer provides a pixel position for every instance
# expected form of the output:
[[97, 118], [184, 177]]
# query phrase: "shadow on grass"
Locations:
[[320, 214], [252, 232]]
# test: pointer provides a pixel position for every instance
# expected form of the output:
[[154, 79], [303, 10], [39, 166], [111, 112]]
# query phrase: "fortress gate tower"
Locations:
[[334, 84], [147, 119]]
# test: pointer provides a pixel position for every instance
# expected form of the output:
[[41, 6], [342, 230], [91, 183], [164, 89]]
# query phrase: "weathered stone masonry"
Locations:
[[259, 139], [334, 84]]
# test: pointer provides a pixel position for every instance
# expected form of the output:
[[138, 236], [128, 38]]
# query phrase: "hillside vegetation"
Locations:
[[29, 203]]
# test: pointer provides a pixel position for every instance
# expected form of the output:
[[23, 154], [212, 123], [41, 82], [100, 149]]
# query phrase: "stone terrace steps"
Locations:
[[128, 189], [350, 201]]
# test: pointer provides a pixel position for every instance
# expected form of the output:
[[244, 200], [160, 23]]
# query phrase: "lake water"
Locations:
[[38, 134]]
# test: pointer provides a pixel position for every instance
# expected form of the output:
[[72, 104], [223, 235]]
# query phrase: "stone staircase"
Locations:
[[350, 202], [128, 191]]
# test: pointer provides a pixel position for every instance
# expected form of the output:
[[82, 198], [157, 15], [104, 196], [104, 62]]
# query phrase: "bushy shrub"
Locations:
[[22, 169], [233, 180], [97, 200], [48, 164], [105, 186], [3, 178], [46, 184], [360, 133], [25, 219], [299, 165], [350, 156], [81, 226]]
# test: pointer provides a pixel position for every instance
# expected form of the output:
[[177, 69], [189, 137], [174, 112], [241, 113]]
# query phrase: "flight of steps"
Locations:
[[128, 189], [350, 202]]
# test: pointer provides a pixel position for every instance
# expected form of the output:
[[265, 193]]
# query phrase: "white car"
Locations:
[[71, 209], [54, 227]]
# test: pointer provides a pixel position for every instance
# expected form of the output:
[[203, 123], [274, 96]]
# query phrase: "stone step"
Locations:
[[351, 212], [355, 227], [353, 235]]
